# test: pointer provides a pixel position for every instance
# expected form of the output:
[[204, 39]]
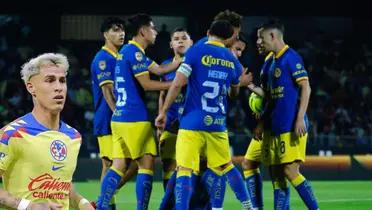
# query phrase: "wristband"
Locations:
[[82, 202], [23, 204]]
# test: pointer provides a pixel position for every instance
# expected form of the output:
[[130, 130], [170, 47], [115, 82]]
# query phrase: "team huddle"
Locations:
[[193, 141]]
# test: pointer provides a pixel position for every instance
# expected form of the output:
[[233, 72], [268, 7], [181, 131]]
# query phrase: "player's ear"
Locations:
[[170, 44], [142, 31], [105, 35], [30, 88]]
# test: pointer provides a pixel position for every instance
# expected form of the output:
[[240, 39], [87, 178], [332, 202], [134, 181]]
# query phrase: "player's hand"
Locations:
[[44, 206], [258, 131], [86, 206], [160, 121], [300, 128], [246, 79]]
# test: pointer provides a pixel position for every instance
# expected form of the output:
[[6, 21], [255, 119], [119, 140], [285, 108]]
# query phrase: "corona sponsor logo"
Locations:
[[209, 60]]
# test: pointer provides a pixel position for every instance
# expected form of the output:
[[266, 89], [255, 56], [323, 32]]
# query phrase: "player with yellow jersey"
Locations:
[[38, 152]]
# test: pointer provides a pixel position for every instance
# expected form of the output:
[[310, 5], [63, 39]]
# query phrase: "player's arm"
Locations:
[[165, 68], [305, 91], [149, 85], [161, 99], [79, 202], [179, 81], [7, 200], [256, 89], [108, 94], [234, 91]]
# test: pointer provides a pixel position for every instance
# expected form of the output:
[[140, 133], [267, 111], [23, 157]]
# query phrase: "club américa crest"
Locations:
[[58, 150]]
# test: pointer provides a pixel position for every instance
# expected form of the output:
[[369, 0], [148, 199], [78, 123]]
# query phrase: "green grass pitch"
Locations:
[[331, 195]]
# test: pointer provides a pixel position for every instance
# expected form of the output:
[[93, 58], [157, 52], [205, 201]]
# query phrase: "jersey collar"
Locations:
[[216, 43], [282, 51], [113, 53], [137, 45]]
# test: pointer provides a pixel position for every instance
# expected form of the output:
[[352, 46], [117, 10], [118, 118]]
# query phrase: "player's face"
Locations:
[[116, 35], [180, 42], [264, 41], [150, 33], [230, 41], [237, 48], [49, 88], [260, 48]]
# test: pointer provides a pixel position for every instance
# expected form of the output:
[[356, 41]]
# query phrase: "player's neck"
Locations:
[[214, 38], [46, 118], [111, 47], [140, 41], [278, 47]]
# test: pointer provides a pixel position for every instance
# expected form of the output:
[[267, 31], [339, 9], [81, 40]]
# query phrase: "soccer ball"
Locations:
[[255, 103]]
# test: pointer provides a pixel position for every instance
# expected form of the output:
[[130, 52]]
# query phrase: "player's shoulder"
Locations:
[[131, 52], [103, 55], [13, 129], [201, 41], [167, 61], [70, 131], [292, 54]]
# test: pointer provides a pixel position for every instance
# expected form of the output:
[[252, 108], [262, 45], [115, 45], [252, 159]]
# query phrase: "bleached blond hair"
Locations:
[[32, 67]]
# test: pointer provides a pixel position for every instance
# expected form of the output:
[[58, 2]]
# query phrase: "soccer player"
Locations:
[[130, 124], [234, 19], [212, 73], [252, 159], [102, 73], [284, 146], [38, 151], [180, 43]]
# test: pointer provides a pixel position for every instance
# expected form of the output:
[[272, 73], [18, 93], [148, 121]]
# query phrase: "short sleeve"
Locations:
[[103, 70], [188, 63], [140, 63], [6, 150], [296, 68]]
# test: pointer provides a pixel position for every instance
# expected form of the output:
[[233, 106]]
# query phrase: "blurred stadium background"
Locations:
[[335, 45]]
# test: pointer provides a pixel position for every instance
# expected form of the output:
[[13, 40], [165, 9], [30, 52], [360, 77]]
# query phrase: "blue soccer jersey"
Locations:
[[201, 41], [131, 63], [102, 72], [211, 70], [285, 72], [176, 109]]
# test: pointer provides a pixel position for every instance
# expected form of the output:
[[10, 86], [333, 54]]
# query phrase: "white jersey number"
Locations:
[[122, 94], [212, 96]]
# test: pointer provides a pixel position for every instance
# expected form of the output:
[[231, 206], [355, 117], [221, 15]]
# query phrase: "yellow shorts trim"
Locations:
[[254, 150], [285, 148], [168, 145], [132, 139], [105, 146], [192, 144]]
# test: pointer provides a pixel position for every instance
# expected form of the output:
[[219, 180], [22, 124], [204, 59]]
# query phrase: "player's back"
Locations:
[[214, 70], [102, 72], [38, 163]]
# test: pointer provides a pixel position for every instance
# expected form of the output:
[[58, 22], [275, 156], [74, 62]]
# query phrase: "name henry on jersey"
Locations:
[[209, 60]]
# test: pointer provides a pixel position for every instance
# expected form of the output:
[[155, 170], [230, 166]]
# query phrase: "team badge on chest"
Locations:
[[58, 150], [277, 72]]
